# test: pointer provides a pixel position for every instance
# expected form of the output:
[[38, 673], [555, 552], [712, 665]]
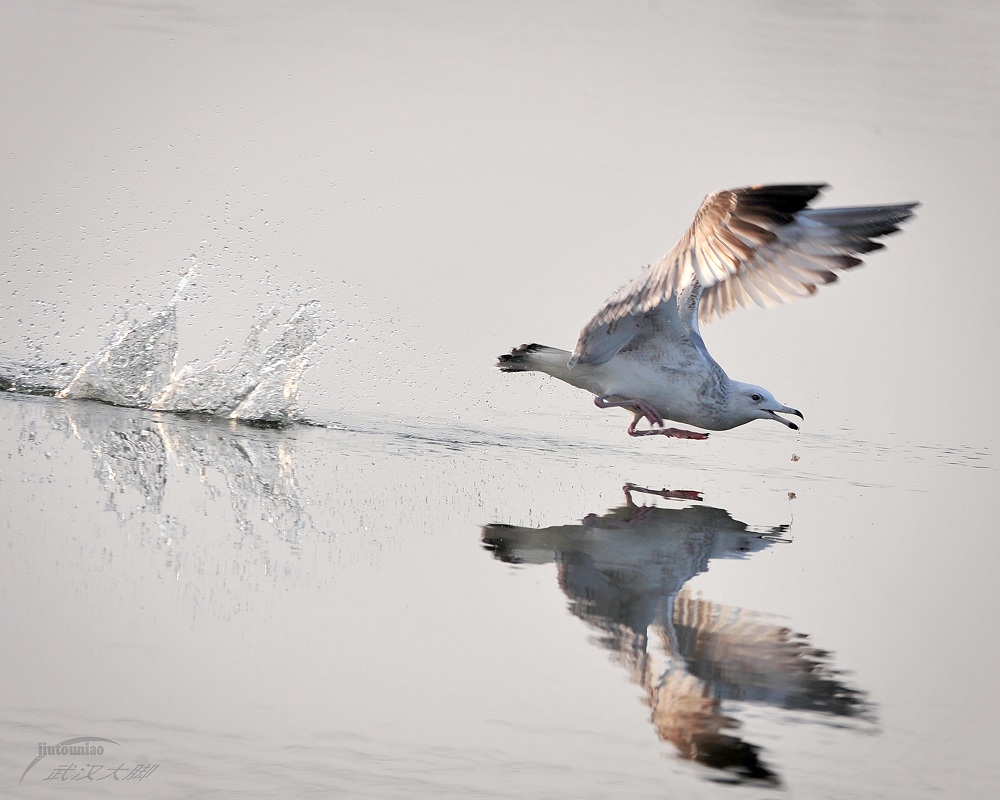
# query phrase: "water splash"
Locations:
[[263, 384], [138, 369], [134, 368]]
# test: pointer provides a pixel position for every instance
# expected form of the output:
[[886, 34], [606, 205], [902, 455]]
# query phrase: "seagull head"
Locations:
[[748, 402]]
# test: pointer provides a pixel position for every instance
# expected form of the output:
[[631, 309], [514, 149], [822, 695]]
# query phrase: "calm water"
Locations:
[[435, 585]]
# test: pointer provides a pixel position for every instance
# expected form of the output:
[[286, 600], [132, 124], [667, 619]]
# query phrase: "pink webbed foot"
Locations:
[[673, 433]]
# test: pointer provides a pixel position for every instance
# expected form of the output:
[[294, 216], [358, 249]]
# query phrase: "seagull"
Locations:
[[755, 245]]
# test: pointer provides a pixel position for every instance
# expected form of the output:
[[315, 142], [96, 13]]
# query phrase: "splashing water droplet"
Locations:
[[138, 369]]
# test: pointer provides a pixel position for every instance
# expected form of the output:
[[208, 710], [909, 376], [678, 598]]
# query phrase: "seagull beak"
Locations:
[[785, 410]]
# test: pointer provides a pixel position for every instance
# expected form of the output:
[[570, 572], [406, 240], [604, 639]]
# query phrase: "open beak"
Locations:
[[785, 410]]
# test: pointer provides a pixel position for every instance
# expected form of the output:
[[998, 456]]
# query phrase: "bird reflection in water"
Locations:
[[624, 573]]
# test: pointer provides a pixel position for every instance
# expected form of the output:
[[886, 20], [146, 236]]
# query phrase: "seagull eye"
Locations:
[[755, 397]]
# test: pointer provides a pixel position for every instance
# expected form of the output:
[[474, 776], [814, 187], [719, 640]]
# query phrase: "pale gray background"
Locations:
[[449, 180]]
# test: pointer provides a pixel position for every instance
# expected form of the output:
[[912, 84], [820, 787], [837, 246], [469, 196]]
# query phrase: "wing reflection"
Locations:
[[624, 574]]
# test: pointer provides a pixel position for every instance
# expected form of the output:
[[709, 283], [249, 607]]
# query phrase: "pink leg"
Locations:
[[642, 409]]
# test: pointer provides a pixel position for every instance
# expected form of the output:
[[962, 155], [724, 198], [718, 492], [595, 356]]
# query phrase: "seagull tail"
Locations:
[[536, 358], [514, 545]]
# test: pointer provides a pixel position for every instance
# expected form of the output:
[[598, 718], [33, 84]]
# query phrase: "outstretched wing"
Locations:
[[758, 245]]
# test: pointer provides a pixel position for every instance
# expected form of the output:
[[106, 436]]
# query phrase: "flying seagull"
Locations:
[[760, 245]]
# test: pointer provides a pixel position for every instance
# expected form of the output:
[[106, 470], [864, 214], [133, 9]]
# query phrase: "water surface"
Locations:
[[423, 577]]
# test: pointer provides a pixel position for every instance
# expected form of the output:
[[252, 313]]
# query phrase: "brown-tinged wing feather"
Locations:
[[757, 245]]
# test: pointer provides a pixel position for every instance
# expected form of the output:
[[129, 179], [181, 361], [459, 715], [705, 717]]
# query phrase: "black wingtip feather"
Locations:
[[777, 203], [514, 361]]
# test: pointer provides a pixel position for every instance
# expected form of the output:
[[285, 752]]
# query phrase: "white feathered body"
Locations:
[[682, 389]]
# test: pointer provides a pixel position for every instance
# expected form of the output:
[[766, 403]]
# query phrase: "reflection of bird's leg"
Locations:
[[666, 494], [643, 410]]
